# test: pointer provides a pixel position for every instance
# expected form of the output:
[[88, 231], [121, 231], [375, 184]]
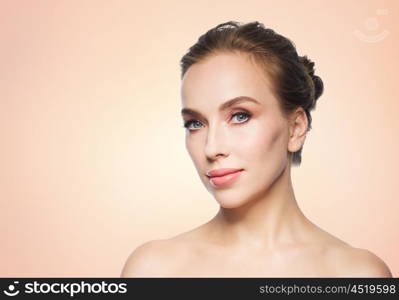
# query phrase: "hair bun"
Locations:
[[317, 82]]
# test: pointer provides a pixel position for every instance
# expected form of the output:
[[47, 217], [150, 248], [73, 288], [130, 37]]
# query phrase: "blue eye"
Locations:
[[189, 122], [241, 113]]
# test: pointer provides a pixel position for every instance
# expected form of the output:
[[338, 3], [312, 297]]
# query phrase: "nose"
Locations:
[[216, 143]]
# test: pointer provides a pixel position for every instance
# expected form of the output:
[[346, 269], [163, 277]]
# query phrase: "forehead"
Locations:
[[224, 76]]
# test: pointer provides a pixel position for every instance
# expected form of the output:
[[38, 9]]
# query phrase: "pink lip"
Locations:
[[221, 172], [226, 179]]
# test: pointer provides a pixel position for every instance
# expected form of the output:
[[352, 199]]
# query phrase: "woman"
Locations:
[[246, 98]]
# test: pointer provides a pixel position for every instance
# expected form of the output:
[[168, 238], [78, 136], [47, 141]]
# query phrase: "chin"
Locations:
[[225, 203], [229, 206]]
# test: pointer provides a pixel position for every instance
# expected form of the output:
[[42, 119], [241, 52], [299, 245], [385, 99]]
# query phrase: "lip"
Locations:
[[228, 176], [221, 172]]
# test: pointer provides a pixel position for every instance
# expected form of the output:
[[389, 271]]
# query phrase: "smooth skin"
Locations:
[[259, 230]]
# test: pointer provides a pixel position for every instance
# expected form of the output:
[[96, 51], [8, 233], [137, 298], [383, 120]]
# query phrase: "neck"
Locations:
[[270, 221]]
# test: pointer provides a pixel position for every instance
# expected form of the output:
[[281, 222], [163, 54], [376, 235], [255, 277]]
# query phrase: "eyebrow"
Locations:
[[222, 107]]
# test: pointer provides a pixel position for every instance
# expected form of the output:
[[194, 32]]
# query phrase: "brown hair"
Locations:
[[294, 82]]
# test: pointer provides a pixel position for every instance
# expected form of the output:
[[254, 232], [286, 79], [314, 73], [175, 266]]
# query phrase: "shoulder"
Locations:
[[356, 262], [148, 260], [155, 258]]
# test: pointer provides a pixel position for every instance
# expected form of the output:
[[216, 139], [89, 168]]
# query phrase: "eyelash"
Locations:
[[248, 115]]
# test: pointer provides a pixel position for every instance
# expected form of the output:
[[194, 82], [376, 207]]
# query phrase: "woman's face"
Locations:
[[247, 135]]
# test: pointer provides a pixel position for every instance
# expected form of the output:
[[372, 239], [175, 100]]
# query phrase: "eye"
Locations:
[[189, 122], [241, 113]]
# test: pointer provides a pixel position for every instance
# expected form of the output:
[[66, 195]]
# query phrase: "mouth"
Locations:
[[225, 178], [222, 172]]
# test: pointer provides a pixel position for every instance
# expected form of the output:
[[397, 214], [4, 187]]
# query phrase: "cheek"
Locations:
[[194, 149], [265, 155], [260, 138], [190, 147], [264, 140]]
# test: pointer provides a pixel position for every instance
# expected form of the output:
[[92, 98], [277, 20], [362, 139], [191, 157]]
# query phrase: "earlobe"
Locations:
[[294, 145], [295, 142]]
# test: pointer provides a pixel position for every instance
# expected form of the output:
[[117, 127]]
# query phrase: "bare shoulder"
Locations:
[[348, 261], [162, 257], [148, 260]]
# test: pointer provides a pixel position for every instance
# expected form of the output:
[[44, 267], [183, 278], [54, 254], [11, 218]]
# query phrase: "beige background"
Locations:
[[92, 145]]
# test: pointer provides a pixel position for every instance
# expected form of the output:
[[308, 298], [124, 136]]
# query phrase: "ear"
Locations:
[[297, 129]]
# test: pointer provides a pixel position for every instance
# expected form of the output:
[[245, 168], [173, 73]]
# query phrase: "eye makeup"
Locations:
[[246, 114]]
